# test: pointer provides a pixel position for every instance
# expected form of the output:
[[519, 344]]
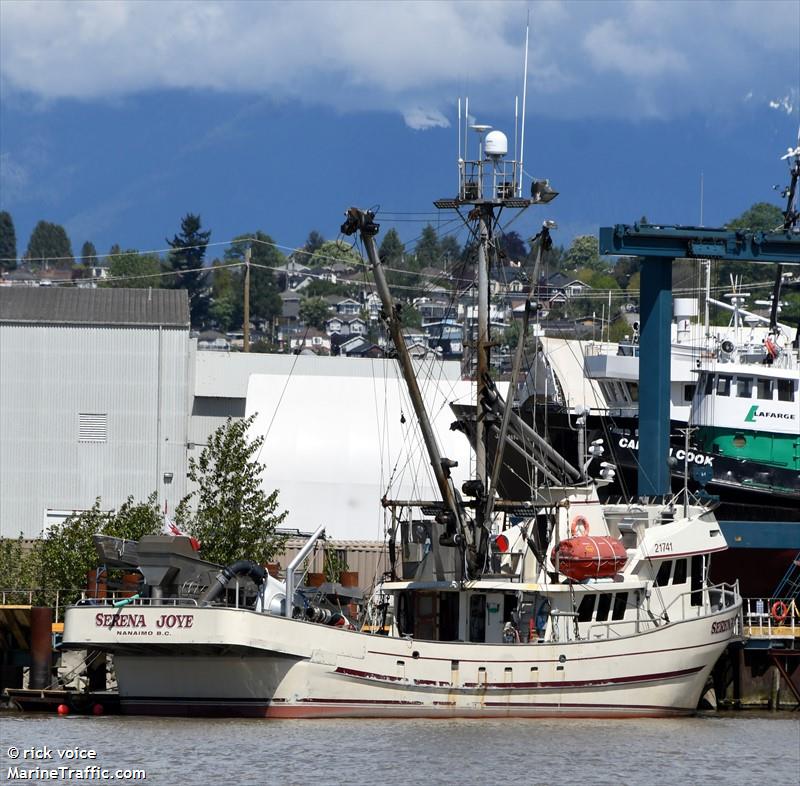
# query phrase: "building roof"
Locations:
[[74, 306]]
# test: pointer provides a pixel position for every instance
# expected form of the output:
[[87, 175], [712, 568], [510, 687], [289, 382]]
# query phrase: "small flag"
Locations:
[[169, 527]]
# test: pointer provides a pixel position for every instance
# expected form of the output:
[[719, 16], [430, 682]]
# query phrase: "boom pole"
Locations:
[[456, 531]]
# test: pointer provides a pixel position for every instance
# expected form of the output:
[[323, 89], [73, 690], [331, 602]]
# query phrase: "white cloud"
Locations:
[[586, 58], [13, 175], [420, 119], [783, 104], [610, 49]]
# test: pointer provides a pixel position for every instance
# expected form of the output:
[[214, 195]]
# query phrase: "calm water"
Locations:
[[747, 748]]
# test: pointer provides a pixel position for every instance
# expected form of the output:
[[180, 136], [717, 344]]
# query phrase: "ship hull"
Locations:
[[232, 662]]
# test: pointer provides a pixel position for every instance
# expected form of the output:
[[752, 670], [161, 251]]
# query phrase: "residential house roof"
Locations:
[[559, 281], [73, 306], [20, 274]]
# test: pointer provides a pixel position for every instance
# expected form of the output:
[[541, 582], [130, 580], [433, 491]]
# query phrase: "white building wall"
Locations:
[[339, 429], [50, 374]]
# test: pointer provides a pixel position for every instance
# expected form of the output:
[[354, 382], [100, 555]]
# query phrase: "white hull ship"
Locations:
[[554, 605], [640, 644]]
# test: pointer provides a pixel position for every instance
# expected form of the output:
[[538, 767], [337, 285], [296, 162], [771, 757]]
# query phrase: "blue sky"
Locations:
[[117, 118]]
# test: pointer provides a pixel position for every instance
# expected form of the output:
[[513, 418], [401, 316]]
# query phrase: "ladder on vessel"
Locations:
[[789, 585]]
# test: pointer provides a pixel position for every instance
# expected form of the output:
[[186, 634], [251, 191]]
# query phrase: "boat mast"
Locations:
[[487, 186], [482, 347]]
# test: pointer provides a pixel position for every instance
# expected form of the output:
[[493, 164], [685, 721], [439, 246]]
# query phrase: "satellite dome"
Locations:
[[495, 145]]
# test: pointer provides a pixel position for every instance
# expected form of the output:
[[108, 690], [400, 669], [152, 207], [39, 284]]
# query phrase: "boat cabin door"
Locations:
[[486, 617]]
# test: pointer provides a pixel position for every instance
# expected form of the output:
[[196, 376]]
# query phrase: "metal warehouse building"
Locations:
[[95, 394]]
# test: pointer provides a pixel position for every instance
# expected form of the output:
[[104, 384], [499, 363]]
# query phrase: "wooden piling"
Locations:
[[41, 647]]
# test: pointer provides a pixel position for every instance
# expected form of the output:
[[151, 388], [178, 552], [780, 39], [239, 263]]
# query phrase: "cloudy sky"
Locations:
[[117, 118]]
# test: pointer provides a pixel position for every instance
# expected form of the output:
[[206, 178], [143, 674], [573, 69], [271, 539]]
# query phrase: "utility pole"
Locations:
[[246, 326]]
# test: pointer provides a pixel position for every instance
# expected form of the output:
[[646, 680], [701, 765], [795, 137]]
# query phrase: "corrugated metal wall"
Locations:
[[368, 558], [139, 377]]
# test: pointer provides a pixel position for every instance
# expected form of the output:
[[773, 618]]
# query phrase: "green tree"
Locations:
[[512, 247], [391, 250], [790, 313], [392, 255], [597, 279], [428, 252], [88, 254], [624, 268], [313, 312], [320, 287], [233, 517], [313, 243], [762, 216], [584, 253], [225, 307], [450, 252], [132, 269], [8, 242], [511, 334], [18, 567], [50, 246], [333, 251], [67, 552], [187, 260], [410, 317]]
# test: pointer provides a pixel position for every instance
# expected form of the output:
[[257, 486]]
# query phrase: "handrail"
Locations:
[[727, 592], [723, 588], [764, 620], [645, 622], [301, 555], [137, 602], [54, 598]]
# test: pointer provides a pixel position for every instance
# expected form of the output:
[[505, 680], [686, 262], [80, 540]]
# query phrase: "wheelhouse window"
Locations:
[[765, 388], [744, 387], [603, 606], [688, 392], [679, 576], [723, 385], [620, 604], [662, 578], [698, 569], [586, 609], [709, 384], [785, 390]]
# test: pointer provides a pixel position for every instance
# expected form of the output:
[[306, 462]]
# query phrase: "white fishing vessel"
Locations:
[[552, 605]]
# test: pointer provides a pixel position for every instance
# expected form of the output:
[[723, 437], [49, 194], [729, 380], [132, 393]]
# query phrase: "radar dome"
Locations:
[[495, 145]]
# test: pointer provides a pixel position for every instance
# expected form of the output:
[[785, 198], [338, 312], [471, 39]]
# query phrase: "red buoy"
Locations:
[[63, 709], [97, 709], [589, 557]]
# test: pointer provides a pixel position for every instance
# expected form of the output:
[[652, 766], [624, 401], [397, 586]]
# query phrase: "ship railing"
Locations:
[[60, 599], [705, 600], [691, 604], [596, 348], [772, 618], [614, 629], [126, 599], [56, 599]]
